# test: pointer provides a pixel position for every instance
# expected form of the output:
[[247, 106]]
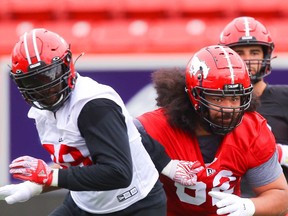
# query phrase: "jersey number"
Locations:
[[200, 193], [76, 157]]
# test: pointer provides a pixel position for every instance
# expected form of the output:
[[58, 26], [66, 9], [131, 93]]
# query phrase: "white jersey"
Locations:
[[61, 137]]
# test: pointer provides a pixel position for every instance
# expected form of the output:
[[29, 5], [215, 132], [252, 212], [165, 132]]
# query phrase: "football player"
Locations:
[[253, 42], [89, 134], [206, 115]]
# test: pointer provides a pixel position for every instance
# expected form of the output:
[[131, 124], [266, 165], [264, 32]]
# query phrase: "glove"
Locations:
[[22, 192], [232, 205], [31, 169], [183, 172], [283, 154]]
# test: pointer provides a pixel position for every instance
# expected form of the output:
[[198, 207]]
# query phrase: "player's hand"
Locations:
[[31, 169], [22, 192], [184, 172], [232, 205], [283, 154]]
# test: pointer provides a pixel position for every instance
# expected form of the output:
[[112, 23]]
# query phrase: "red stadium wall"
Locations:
[[121, 35], [137, 26]]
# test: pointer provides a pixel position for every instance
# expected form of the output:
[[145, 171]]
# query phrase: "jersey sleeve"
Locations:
[[261, 141], [103, 127], [262, 175]]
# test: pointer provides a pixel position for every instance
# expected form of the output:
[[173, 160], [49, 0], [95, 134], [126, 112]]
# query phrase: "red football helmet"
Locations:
[[243, 31], [218, 71], [43, 69]]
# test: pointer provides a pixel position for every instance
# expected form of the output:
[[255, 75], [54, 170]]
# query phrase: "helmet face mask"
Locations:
[[45, 88], [46, 79], [246, 31], [258, 69], [214, 76], [222, 119]]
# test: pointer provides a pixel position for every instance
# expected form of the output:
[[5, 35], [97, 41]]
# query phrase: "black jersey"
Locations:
[[274, 107]]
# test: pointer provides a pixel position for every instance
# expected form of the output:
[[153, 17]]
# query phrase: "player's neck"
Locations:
[[200, 131], [259, 87]]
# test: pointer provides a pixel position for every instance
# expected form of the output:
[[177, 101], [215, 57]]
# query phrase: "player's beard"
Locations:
[[226, 119]]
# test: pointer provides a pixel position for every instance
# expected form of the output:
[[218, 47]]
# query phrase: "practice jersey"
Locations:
[[249, 145], [60, 136]]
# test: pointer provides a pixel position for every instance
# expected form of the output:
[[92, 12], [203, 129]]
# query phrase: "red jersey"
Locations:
[[247, 146]]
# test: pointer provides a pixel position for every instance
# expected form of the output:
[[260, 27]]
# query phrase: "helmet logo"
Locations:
[[34, 65], [232, 86], [246, 38], [197, 65]]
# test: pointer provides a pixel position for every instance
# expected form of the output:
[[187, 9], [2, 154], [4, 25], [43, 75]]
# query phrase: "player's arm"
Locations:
[[103, 127], [269, 184], [183, 172], [24, 191], [272, 197]]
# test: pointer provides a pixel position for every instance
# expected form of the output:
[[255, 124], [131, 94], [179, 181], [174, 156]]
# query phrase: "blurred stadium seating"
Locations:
[[131, 27], [91, 9], [210, 8], [279, 32], [262, 8], [9, 33], [119, 36], [128, 26]]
